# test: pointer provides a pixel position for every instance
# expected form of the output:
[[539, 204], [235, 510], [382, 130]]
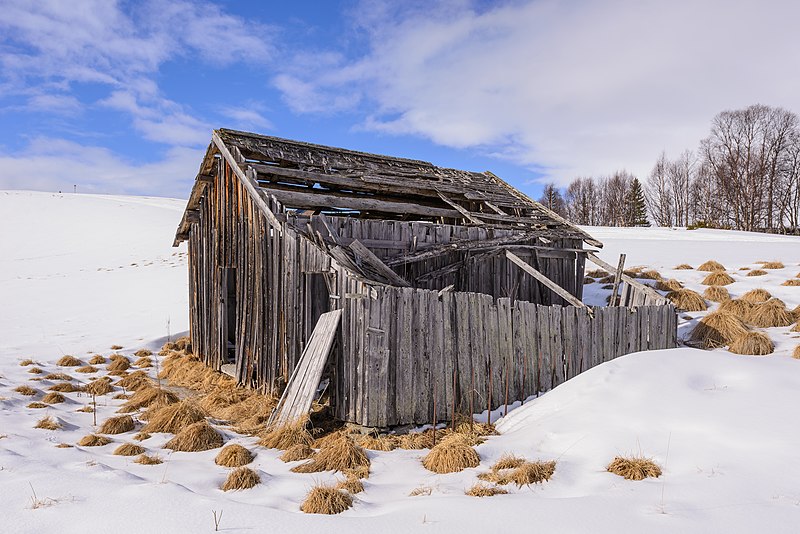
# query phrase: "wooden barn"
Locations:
[[430, 292]]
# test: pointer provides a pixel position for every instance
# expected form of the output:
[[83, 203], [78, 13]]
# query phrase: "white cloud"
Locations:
[[51, 164], [566, 87], [248, 117]]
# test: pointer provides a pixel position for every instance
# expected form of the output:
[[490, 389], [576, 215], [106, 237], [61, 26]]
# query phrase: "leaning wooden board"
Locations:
[[299, 393]]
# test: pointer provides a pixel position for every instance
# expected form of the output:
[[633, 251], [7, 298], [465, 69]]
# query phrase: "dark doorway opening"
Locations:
[[229, 321]]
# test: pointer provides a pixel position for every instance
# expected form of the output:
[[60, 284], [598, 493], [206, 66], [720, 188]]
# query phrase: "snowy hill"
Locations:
[[79, 273]]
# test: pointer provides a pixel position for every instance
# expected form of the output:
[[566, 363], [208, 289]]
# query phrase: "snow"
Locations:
[[722, 426]]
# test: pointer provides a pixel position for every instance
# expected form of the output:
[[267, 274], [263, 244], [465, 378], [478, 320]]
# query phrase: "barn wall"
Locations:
[[416, 357]]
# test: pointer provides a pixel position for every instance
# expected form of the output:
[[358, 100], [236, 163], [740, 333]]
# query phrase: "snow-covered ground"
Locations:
[[723, 427]]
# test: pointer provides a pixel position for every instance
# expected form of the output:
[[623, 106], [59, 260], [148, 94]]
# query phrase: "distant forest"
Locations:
[[744, 176]]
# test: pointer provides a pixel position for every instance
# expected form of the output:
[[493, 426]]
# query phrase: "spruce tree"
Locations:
[[635, 205]]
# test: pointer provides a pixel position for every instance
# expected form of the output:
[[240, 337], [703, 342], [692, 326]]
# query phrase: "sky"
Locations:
[[121, 97]]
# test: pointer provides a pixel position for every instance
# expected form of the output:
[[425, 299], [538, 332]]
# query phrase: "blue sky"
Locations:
[[121, 97]]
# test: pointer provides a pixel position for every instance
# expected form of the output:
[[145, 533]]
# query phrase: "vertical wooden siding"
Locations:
[[409, 350]]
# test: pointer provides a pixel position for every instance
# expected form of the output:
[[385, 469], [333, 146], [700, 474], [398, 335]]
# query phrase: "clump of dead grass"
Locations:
[[129, 449], [148, 396], [141, 436], [796, 353], [57, 376], [769, 314], [753, 344], [26, 362], [65, 387], [483, 490], [35, 371], [175, 417], [421, 440], [26, 390], [326, 500], [63, 446], [69, 361], [241, 478], [97, 359], [93, 440], [143, 353], [792, 282], [533, 472], [54, 397], [116, 347], [38, 405], [339, 454], [683, 267], [634, 467], [650, 274], [286, 436], [297, 452], [669, 285], [588, 280], [453, 454], [718, 278], [100, 386], [118, 425], [118, 364], [772, 265], [422, 490], [716, 294], [87, 369], [756, 272], [754, 296], [688, 300], [381, 442], [85, 409], [145, 459], [718, 329], [711, 266], [796, 327], [143, 362], [234, 455], [135, 381], [351, 485], [738, 307], [196, 437], [48, 423], [597, 273]]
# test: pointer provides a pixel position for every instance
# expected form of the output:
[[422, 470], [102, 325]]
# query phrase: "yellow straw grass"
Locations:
[[483, 490], [340, 454], [717, 294], [326, 500], [69, 361], [792, 282], [718, 329], [145, 459], [634, 468], [149, 396], [297, 453], [753, 344], [351, 484], [718, 278], [688, 300], [757, 272], [93, 440], [451, 455], [711, 266], [769, 314], [129, 449], [669, 285], [241, 479], [234, 455], [772, 265], [754, 296], [287, 436], [54, 397], [683, 267], [101, 386], [197, 437], [175, 417], [48, 423], [118, 425]]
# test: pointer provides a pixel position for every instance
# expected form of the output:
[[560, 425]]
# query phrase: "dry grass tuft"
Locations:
[[796, 312], [135, 381], [362, 471], [796, 353], [97, 359], [772, 265], [606, 279], [26, 362], [792, 282], [57, 376], [129, 449], [796, 327], [69, 361], [597, 273], [196, 437], [453, 454], [718, 329], [141, 436], [769, 314], [381, 442], [234, 455], [63, 446], [85, 409], [669, 285], [297, 453], [588, 280], [98, 387], [116, 347], [508, 461], [143, 353], [420, 440], [711, 266], [118, 364], [757, 272], [688, 300], [118, 425], [93, 440], [483, 490], [716, 294], [48, 423], [87, 369], [144, 459], [753, 344], [339, 454], [738, 307], [241, 479], [65, 387], [54, 397], [287, 436], [143, 362], [718, 278], [35, 371], [683, 267], [650, 274], [148, 396], [38, 405], [26, 390], [634, 467], [533, 472], [175, 417], [326, 500], [422, 490], [351, 485], [754, 296]]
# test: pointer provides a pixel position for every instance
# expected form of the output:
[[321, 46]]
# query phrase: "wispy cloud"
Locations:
[[567, 88], [247, 117]]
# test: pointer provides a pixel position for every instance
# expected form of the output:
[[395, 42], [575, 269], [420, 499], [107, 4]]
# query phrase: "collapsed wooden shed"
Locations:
[[455, 292]]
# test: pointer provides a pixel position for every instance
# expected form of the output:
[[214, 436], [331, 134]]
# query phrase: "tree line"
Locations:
[[745, 175]]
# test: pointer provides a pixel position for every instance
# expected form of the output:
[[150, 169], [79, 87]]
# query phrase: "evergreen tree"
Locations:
[[636, 205]]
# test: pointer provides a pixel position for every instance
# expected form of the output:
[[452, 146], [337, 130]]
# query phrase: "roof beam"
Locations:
[[555, 288]]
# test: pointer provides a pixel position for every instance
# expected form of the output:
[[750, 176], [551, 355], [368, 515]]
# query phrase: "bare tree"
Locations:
[[658, 193]]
